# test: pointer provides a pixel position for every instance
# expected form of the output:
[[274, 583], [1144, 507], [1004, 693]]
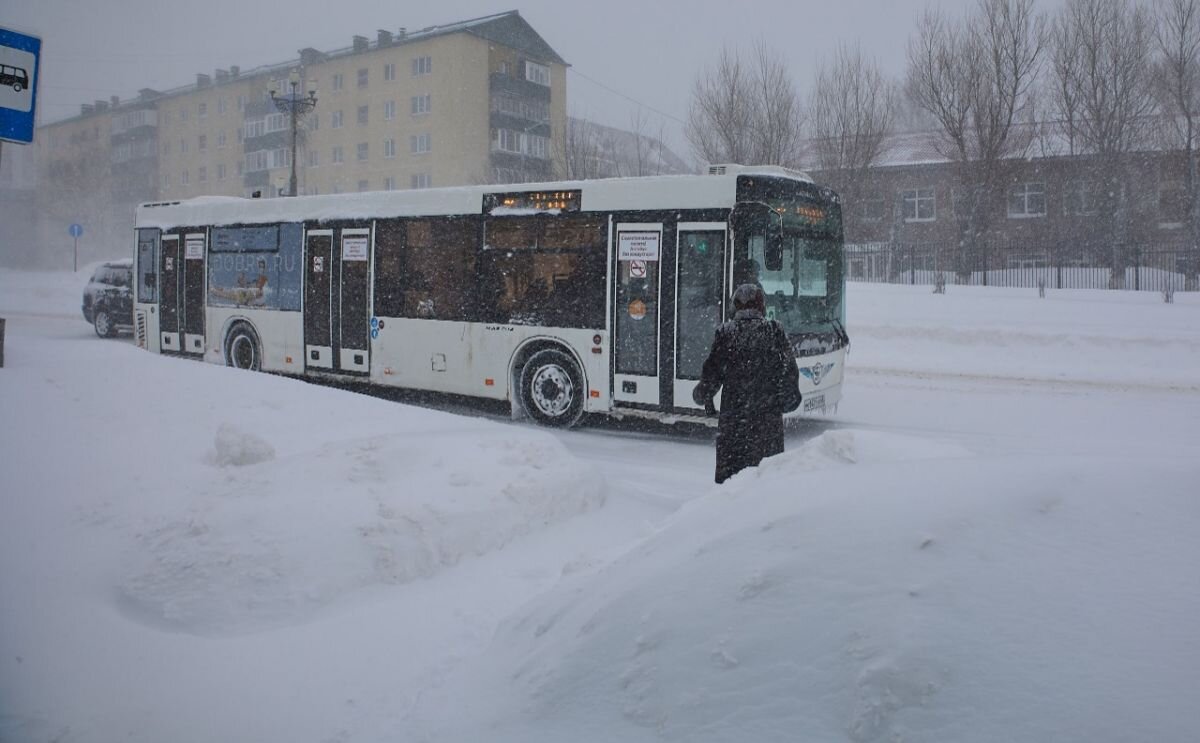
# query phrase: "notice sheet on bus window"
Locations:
[[354, 248], [638, 246], [194, 248]]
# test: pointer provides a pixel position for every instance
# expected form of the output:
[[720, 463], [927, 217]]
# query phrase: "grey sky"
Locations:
[[648, 51]]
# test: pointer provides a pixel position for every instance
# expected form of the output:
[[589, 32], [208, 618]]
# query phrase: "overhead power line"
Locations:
[[628, 98]]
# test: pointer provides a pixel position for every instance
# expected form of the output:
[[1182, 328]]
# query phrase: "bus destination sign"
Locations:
[[540, 201]]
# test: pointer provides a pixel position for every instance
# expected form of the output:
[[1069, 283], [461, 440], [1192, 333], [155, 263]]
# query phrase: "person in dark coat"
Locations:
[[753, 367]]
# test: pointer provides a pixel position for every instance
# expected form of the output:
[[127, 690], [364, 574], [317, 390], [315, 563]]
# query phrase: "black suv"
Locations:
[[108, 298]]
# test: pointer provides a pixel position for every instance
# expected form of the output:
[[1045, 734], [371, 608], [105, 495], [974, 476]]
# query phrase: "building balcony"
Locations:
[[501, 83]]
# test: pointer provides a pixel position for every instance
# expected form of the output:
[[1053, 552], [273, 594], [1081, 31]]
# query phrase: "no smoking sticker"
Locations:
[[637, 269]]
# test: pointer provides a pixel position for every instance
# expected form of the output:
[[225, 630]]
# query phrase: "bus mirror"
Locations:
[[773, 255]]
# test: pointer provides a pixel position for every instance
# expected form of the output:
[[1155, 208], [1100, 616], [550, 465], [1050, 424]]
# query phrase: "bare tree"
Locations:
[[853, 110], [580, 149], [1177, 85], [1109, 87], [746, 113], [975, 77]]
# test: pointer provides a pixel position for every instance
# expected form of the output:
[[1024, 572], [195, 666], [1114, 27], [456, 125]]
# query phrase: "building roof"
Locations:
[[1046, 139], [507, 28]]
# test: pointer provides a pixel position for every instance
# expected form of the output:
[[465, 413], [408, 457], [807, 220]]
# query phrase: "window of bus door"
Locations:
[[148, 266], [698, 308]]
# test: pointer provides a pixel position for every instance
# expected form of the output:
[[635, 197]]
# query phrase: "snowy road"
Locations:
[[150, 593]]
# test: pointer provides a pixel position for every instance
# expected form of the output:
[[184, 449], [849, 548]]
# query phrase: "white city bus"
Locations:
[[563, 298]]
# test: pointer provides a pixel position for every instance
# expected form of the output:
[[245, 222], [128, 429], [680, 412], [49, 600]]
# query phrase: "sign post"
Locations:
[[19, 58], [75, 231]]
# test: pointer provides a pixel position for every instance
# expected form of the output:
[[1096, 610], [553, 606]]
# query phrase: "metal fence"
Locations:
[[1142, 268]]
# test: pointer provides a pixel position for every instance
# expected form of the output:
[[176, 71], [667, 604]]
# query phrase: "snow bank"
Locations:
[[269, 544], [869, 587]]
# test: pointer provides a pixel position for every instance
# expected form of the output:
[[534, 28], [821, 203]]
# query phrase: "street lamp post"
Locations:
[[296, 106]]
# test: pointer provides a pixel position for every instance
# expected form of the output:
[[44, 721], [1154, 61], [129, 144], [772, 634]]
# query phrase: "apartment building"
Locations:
[[471, 102]]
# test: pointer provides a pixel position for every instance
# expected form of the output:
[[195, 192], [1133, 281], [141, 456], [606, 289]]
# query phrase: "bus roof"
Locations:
[[607, 194]]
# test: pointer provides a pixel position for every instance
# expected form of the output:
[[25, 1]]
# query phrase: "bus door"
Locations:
[[700, 294], [318, 285], [169, 275], [354, 301], [638, 285], [193, 299]]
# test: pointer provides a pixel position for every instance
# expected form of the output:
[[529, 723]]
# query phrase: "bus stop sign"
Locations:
[[76, 230], [19, 58]]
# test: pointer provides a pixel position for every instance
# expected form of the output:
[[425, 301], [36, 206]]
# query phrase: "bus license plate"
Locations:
[[813, 403]]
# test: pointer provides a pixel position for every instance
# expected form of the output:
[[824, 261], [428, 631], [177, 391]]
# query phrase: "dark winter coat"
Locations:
[[752, 365]]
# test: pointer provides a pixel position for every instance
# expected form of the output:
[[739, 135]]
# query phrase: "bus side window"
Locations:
[[389, 268], [439, 275]]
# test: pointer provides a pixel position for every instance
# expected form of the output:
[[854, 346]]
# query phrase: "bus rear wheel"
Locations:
[[552, 388], [242, 349]]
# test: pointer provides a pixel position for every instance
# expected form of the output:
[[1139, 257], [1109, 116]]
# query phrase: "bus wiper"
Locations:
[[840, 329]]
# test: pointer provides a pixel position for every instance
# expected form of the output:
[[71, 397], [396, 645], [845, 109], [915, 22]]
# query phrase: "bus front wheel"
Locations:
[[552, 388], [242, 349]]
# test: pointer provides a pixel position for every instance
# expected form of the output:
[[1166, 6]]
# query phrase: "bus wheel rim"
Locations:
[[552, 390]]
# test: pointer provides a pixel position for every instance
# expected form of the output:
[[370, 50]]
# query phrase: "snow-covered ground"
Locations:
[[994, 540]]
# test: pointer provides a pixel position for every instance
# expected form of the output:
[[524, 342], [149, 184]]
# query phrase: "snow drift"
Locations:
[[816, 598]]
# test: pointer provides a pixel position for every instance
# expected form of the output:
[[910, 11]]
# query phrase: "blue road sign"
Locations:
[[19, 58], [76, 230]]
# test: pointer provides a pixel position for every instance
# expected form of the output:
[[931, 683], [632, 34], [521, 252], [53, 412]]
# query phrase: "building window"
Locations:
[[363, 185], [422, 65], [335, 119], [537, 73], [221, 139], [389, 110], [183, 146], [202, 110], [920, 205], [221, 105], [166, 147], [421, 180], [521, 143], [524, 108], [421, 104], [389, 71], [220, 171], [872, 207], [256, 161], [419, 144], [337, 156], [312, 158], [1172, 205], [202, 142], [362, 151], [313, 123], [201, 174], [255, 128], [183, 114], [338, 81], [389, 148], [363, 116], [389, 184], [1080, 198], [1027, 200], [166, 180], [184, 178], [241, 102], [362, 77], [506, 140]]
